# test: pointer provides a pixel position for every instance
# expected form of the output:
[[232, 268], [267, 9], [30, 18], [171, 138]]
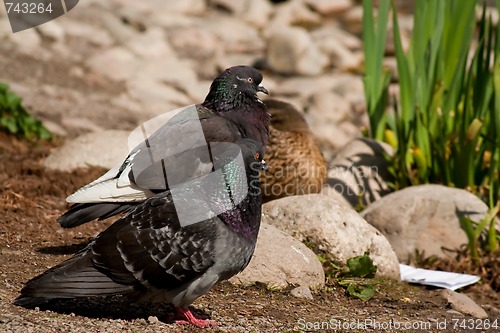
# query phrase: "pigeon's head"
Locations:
[[235, 87], [225, 155], [244, 79], [252, 155]]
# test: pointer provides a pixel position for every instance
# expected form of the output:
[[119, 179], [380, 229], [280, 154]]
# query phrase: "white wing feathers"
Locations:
[[108, 188]]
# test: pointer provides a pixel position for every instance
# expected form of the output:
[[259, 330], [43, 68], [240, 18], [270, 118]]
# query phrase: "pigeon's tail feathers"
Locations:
[[81, 213], [76, 277], [111, 190], [29, 302], [112, 173]]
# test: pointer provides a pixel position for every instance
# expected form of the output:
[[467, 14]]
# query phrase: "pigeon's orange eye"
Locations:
[[257, 155], [250, 80]]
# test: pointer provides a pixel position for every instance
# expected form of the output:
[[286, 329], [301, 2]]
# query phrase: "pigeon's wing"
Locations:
[[175, 153], [181, 153], [149, 245]]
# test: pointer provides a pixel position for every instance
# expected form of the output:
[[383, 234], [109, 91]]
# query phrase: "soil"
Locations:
[[31, 241]]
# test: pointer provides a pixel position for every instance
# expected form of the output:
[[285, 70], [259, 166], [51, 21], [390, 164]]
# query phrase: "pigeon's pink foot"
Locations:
[[184, 316]]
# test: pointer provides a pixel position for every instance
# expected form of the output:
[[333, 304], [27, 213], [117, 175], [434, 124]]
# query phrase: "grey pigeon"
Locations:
[[176, 152], [154, 255]]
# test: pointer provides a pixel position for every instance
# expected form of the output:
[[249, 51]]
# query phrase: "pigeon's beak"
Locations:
[[262, 89], [264, 166]]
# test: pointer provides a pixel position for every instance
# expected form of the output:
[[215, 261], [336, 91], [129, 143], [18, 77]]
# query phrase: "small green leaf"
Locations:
[[10, 124], [362, 291], [14, 118], [361, 266], [13, 100]]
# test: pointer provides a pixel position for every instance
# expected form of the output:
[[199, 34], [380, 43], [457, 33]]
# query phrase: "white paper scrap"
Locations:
[[440, 279]]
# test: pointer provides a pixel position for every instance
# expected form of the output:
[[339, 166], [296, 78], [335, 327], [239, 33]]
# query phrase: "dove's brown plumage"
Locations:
[[296, 165]]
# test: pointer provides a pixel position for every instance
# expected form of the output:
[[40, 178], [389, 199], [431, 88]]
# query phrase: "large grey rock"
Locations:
[[292, 51], [424, 218], [359, 172], [279, 261], [103, 149], [463, 304], [334, 227]]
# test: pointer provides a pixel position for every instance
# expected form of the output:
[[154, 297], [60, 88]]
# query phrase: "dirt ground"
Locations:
[[31, 198]]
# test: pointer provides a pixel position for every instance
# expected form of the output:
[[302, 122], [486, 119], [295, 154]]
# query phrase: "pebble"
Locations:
[[120, 31], [455, 313], [353, 20], [189, 7], [293, 13], [234, 34], [463, 304], [257, 13], [292, 51], [193, 42], [52, 30], [302, 292], [329, 7], [235, 7], [116, 63], [150, 44], [27, 41], [93, 34]]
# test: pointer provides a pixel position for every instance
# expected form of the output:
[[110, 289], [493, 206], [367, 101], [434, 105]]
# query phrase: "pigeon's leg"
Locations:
[[184, 316]]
